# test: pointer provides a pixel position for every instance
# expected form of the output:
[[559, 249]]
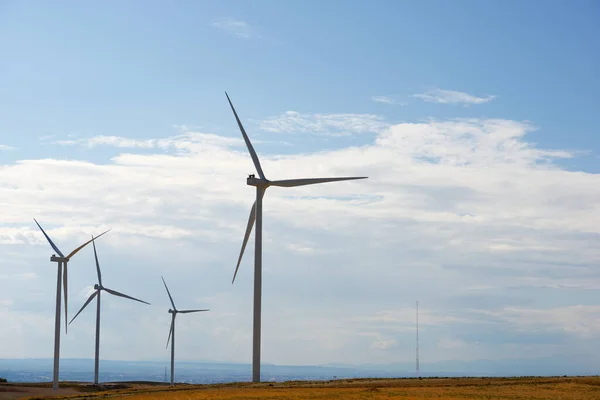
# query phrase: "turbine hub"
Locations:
[[96, 287], [252, 180], [172, 311]]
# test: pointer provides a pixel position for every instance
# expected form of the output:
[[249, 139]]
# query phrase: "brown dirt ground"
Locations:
[[13, 392], [564, 388]]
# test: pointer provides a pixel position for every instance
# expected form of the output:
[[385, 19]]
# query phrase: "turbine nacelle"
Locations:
[[98, 287], [252, 180], [54, 258], [172, 311]]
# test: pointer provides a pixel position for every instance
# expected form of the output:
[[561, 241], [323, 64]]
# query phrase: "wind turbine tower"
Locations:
[[61, 260], [261, 184]]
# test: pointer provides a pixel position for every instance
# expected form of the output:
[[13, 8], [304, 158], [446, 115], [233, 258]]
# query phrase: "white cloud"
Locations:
[[327, 124], [235, 27], [452, 97], [383, 99], [450, 343], [5, 147], [187, 141], [580, 320], [572, 283], [402, 321], [112, 141], [28, 275], [301, 248], [387, 100], [449, 206], [384, 344]]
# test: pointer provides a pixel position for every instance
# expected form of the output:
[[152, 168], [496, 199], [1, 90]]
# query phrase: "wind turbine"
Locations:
[[97, 289], [61, 260], [174, 311], [261, 184]]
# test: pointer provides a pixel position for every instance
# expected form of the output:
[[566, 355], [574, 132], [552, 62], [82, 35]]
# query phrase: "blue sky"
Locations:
[[475, 122]]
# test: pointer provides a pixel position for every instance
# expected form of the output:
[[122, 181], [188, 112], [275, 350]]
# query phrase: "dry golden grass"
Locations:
[[450, 389]]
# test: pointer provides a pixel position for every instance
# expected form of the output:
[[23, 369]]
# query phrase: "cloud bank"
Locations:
[[490, 233]]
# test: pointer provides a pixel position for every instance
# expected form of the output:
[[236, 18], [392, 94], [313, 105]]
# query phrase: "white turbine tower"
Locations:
[[261, 184], [97, 289], [174, 311], [62, 261]]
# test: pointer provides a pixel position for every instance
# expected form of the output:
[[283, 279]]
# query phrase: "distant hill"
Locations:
[[40, 370]]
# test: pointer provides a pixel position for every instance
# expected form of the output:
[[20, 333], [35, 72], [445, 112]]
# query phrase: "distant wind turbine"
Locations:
[[174, 311], [97, 289], [261, 185], [61, 260]]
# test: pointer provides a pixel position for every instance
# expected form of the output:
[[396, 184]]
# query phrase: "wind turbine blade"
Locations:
[[311, 181], [115, 293], [97, 263], [170, 331], [247, 140], [56, 249], [251, 220], [85, 244], [190, 311], [169, 293], [84, 305], [65, 280]]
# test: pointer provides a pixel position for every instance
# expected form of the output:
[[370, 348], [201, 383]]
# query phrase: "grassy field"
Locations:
[[440, 388]]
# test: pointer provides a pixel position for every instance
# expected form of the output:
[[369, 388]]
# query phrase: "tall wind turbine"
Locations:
[[61, 260], [261, 184], [174, 311], [97, 289]]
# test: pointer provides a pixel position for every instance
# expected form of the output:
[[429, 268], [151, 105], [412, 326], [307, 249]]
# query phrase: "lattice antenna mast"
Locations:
[[418, 372]]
